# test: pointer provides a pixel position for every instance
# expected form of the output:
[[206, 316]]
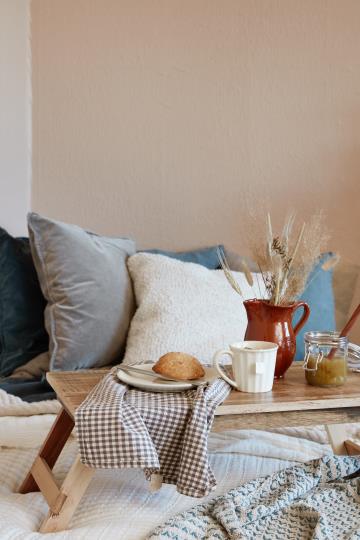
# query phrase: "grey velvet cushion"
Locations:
[[85, 281]]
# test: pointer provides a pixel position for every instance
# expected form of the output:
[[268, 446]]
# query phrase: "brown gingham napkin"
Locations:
[[166, 433]]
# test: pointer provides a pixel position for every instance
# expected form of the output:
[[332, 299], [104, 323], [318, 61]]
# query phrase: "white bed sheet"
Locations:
[[118, 504]]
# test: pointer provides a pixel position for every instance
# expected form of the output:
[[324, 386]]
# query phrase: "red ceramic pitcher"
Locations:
[[274, 323]]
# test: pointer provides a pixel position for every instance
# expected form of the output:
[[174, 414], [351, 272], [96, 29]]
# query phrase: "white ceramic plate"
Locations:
[[155, 384]]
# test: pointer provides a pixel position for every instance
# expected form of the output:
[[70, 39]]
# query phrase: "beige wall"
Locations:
[[15, 115], [154, 117]]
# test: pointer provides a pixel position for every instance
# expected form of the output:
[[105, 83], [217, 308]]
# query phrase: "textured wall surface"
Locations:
[[156, 118], [15, 115]]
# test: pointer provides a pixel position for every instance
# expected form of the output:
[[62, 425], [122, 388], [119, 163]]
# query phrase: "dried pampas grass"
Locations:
[[285, 261]]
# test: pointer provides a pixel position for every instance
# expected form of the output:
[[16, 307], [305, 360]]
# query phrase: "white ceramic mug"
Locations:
[[253, 364]]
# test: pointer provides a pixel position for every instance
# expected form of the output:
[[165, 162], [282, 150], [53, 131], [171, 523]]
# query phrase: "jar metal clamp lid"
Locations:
[[317, 341]]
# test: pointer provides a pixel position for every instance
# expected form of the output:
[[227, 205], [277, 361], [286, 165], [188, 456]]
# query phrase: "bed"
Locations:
[[118, 504]]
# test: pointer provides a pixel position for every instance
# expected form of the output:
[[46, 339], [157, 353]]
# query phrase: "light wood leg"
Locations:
[[62, 501], [70, 493], [337, 434], [352, 448], [51, 448]]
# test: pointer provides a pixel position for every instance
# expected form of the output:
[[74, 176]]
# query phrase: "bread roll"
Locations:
[[180, 366]]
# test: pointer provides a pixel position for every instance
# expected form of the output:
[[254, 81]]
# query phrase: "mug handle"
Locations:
[[304, 317], [216, 359]]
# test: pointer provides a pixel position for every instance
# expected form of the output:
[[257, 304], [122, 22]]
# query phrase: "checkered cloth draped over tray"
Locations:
[[118, 426]]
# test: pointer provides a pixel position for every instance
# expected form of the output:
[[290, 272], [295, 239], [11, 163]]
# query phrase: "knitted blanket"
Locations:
[[310, 501]]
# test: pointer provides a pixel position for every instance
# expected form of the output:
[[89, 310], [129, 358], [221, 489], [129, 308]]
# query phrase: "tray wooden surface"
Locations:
[[292, 397]]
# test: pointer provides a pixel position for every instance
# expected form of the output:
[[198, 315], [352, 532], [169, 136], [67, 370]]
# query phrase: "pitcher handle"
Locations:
[[223, 375], [304, 317]]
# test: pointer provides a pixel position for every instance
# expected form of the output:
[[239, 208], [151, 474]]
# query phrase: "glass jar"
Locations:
[[325, 360], [353, 359]]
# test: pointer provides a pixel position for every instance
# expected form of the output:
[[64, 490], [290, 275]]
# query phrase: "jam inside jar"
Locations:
[[325, 362]]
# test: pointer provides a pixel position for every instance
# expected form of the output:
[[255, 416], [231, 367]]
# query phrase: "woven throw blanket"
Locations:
[[310, 501], [163, 433]]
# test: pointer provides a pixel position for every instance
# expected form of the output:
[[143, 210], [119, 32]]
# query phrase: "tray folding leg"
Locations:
[[51, 448], [64, 500], [68, 497], [337, 434], [338, 439]]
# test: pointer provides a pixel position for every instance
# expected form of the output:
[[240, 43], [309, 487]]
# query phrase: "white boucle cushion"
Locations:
[[183, 307]]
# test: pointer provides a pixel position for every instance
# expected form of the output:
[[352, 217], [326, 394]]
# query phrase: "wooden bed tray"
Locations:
[[292, 402]]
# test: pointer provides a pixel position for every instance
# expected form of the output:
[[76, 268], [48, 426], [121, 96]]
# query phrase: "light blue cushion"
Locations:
[[319, 295], [207, 257]]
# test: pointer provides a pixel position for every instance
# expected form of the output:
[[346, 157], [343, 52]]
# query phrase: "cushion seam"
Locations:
[[38, 247]]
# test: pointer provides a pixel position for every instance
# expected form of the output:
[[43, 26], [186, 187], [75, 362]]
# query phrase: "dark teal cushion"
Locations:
[[207, 257], [22, 331], [319, 295], [28, 389]]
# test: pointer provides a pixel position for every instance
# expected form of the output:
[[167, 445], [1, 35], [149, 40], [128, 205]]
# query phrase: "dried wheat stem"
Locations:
[[277, 286], [228, 273], [287, 230], [297, 245], [293, 256], [270, 233], [247, 272], [258, 284], [269, 236]]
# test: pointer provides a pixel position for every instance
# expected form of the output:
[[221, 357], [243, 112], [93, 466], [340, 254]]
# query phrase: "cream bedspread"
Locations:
[[117, 504]]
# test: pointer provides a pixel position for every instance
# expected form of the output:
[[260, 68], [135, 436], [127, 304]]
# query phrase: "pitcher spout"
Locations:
[[256, 309]]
